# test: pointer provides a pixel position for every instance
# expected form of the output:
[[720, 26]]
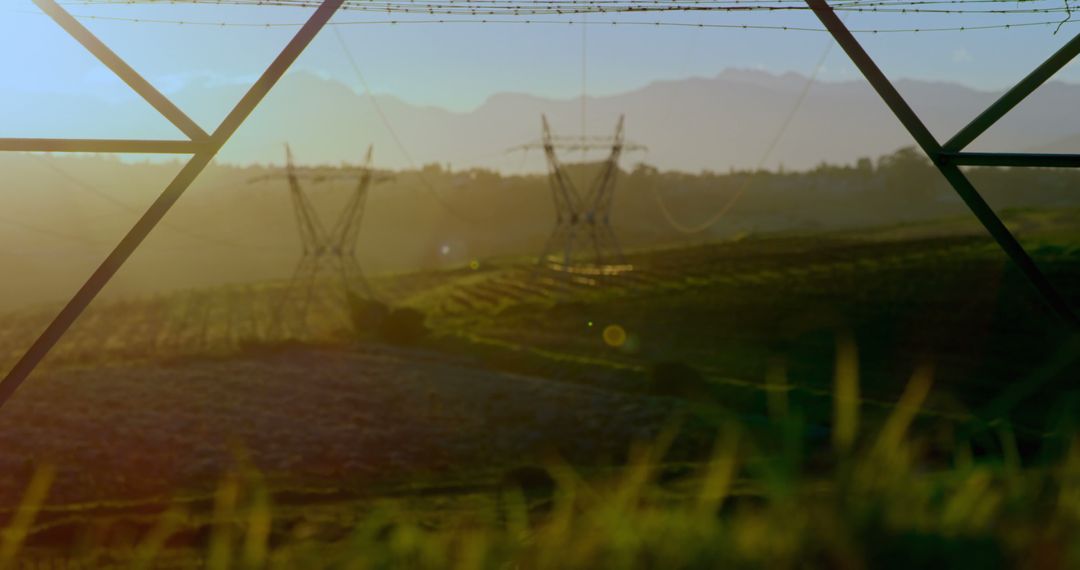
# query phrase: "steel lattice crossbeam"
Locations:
[[949, 157], [201, 145]]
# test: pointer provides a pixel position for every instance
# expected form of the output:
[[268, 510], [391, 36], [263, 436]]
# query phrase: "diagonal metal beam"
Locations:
[[122, 70], [101, 145], [1014, 96], [949, 170], [164, 202], [873, 74]]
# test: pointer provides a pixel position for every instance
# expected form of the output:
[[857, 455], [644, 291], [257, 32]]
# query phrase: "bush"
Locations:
[[367, 315], [403, 326]]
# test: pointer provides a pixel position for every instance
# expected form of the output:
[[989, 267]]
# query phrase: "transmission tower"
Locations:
[[323, 252], [583, 222]]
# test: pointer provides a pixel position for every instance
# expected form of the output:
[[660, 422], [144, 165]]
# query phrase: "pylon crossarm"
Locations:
[[142, 228], [1014, 96], [316, 175], [1011, 159], [576, 146], [948, 163], [101, 146]]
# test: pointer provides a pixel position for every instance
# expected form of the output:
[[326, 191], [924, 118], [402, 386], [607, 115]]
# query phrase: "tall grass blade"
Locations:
[[846, 389], [13, 537]]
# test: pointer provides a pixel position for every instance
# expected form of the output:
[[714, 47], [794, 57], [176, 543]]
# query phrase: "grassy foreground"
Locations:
[[864, 497]]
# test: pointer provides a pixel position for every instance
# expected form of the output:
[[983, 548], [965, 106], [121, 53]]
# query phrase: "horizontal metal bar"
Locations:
[[100, 145], [1011, 159], [1014, 96]]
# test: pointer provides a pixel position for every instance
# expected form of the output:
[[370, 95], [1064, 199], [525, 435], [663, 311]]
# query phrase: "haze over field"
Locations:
[[724, 312], [63, 214], [706, 123]]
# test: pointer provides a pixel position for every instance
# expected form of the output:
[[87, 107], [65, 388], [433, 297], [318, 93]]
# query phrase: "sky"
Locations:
[[458, 66]]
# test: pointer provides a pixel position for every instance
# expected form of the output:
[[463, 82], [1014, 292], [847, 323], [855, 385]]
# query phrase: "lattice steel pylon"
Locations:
[[202, 147], [583, 222], [323, 251]]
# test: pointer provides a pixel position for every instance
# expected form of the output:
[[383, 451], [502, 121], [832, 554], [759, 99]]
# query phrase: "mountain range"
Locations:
[[703, 123]]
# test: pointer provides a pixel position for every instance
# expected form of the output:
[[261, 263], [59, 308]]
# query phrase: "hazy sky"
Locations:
[[458, 66]]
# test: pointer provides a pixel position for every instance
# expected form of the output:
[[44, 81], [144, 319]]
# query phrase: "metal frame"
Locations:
[[949, 157], [204, 146], [201, 145]]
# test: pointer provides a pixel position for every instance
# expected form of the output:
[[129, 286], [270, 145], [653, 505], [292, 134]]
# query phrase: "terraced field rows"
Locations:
[[220, 320], [700, 268]]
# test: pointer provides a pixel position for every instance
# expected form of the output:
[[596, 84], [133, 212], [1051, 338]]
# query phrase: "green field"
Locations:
[[790, 337]]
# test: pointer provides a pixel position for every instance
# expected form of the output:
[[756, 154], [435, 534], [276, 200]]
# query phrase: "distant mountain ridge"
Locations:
[[694, 124]]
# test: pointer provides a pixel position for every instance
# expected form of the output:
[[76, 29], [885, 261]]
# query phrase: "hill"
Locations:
[[715, 123]]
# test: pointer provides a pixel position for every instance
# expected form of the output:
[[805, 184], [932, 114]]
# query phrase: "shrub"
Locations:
[[403, 326], [367, 315]]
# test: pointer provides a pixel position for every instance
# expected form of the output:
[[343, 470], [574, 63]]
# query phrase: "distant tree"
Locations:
[[432, 169], [904, 159], [367, 315], [909, 174], [643, 169], [864, 166]]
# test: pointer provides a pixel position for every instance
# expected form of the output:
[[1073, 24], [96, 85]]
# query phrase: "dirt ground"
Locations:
[[303, 416]]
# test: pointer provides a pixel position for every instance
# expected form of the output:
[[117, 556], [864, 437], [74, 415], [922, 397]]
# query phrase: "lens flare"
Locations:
[[614, 335]]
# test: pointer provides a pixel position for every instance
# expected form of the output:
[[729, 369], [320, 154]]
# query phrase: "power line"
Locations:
[[397, 140], [529, 21], [584, 92], [723, 211], [548, 7], [82, 240], [213, 240]]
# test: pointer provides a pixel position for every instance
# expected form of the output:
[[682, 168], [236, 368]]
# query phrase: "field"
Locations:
[[149, 401]]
